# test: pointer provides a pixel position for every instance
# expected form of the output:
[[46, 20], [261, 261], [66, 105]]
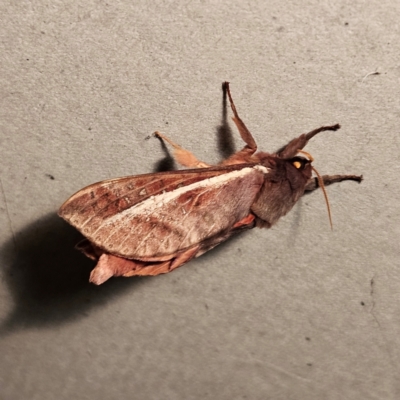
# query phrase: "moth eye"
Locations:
[[297, 164]]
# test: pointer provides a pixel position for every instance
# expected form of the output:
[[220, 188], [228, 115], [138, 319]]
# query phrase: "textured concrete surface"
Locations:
[[295, 312]]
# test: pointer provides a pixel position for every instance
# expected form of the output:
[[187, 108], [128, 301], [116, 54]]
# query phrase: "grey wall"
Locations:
[[295, 312]]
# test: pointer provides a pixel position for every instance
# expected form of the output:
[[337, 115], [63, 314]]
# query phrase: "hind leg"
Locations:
[[183, 156]]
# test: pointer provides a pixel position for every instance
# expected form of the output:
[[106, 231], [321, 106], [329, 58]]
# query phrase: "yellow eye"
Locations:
[[297, 164]]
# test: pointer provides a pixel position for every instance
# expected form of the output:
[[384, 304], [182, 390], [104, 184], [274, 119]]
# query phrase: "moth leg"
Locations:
[[313, 183], [292, 148], [183, 156], [244, 155], [251, 145], [244, 221]]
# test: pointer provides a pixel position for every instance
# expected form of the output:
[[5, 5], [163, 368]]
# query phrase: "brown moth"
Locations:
[[151, 224]]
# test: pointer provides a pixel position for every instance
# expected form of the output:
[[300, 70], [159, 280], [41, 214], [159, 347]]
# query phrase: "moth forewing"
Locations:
[[99, 201], [169, 222]]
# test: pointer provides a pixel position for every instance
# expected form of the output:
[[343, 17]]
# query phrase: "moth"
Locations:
[[154, 223]]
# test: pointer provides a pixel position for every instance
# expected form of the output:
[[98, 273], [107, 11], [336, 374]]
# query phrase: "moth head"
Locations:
[[302, 164]]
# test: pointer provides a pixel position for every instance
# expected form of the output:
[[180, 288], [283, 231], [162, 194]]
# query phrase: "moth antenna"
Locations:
[[320, 182], [308, 155], [322, 186], [311, 134], [300, 142]]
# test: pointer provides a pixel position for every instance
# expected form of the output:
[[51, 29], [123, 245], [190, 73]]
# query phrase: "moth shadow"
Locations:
[[48, 279], [167, 163], [225, 142]]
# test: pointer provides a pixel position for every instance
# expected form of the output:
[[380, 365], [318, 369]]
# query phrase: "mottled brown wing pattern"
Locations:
[[153, 216], [86, 209]]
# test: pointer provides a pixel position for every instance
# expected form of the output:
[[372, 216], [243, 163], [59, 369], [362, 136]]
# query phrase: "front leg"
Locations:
[[313, 183]]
